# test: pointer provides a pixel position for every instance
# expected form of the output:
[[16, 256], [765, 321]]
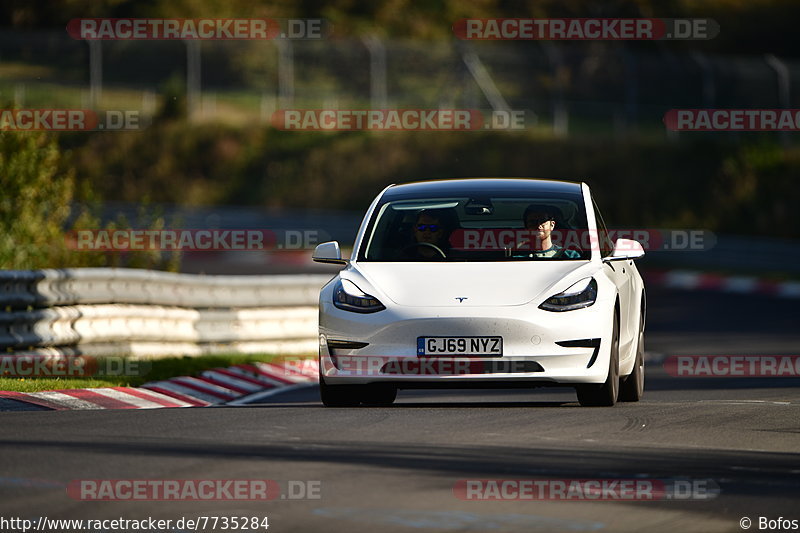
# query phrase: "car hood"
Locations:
[[481, 284]]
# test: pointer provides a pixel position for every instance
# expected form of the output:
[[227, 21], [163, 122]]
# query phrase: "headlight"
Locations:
[[347, 296], [581, 294]]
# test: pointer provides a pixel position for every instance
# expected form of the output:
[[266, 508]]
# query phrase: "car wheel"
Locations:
[[338, 395], [632, 387], [379, 395], [604, 395]]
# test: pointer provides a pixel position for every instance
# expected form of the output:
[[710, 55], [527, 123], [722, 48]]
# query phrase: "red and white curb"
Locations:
[[224, 385], [692, 280], [103, 398], [211, 387]]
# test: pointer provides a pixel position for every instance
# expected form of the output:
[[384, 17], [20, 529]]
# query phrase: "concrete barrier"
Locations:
[[107, 311]]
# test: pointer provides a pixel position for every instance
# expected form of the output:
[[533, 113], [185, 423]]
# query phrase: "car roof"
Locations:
[[481, 187]]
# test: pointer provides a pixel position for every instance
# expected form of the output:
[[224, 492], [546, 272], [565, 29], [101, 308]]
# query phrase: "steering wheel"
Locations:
[[431, 245]]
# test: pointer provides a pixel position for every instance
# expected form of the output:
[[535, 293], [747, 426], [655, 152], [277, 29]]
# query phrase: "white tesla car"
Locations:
[[482, 283]]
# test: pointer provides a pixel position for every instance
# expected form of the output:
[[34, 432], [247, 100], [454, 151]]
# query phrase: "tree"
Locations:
[[37, 211], [35, 201]]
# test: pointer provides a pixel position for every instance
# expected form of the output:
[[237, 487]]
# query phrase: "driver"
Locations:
[[431, 233]]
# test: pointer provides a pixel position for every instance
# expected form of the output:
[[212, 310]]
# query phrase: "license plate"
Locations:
[[486, 346]]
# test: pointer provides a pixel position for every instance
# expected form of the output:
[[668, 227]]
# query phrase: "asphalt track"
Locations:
[[394, 469]]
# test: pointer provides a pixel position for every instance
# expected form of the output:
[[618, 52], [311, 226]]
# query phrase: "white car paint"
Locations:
[[484, 299]]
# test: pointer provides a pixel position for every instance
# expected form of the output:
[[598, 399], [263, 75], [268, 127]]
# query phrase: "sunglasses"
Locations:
[[432, 227]]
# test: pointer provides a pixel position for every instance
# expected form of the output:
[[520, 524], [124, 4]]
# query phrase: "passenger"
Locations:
[[542, 220]]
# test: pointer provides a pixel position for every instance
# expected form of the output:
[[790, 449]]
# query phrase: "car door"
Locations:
[[621, 273]]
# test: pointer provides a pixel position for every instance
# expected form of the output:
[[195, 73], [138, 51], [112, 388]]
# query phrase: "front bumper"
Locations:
[[534, 350]]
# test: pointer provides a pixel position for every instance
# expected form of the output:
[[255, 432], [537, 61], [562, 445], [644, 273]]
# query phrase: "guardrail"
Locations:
[[107, 311]]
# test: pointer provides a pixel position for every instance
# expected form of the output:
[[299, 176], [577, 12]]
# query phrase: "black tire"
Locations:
[[632, 387], [338, 395], [376, 395], [604, 395], [379, 395]]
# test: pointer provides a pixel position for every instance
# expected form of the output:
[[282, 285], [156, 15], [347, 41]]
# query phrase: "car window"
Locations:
[[476, 229]]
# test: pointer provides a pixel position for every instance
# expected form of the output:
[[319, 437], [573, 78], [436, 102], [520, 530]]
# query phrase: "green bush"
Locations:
[[38, 198]]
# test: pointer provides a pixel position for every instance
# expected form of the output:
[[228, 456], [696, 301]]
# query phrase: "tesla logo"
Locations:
[[461, 299]]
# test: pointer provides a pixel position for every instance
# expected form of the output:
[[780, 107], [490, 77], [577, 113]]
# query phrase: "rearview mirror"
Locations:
[[329, 252]]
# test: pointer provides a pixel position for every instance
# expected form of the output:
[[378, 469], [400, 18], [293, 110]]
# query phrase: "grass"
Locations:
[[26, 72], [44, 384], [138, 372]]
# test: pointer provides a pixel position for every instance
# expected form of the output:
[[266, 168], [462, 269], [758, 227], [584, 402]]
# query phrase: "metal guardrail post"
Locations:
[[560, 113], [377, 71], [95, 72], [783, 83], [285, 73], [484, 80], [193, 88]]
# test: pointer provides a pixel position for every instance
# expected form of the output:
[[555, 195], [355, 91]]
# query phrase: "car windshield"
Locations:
[[468, 228]]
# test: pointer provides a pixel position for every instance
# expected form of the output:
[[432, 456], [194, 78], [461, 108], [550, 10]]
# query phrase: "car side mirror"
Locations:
[[328, 252], [625, 249]]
